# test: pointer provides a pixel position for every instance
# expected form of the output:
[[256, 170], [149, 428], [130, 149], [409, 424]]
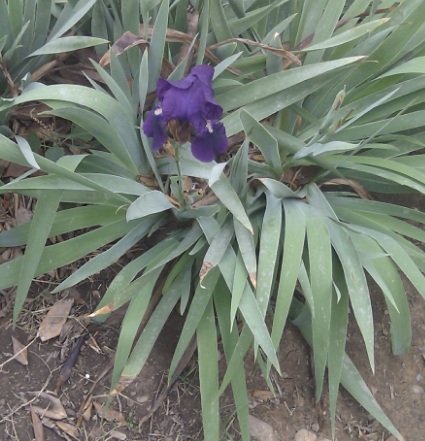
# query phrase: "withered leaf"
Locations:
[[37, 425], [23, 215], [66, 370], [125, 42], [86, 414], [53, 408], [20, 352], [110, 414], [263, 395], [69, 429], [118, 435], [51, 326]]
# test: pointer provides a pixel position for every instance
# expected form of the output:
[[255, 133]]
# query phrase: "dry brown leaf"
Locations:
[[53, 409], [356, 186], [47, 422], [263, 395], [87, 411], [66, 369], [277, 51], [19, 351], [23, 215], [107, 309], [125, 42], [69, 429], [118, 435], [37, 425], [110, 414], [16, 170], [52, 324]]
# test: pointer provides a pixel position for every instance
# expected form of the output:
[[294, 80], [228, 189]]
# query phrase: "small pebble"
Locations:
[[260, 430], [305, 435], [315, 427], [419, 378], [142, 399], [417, 389]]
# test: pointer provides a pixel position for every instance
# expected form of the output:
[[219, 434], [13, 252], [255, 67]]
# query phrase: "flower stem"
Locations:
[[180, 176]]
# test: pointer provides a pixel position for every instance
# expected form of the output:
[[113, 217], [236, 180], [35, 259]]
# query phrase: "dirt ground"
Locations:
[[398, 385], [39, 396]]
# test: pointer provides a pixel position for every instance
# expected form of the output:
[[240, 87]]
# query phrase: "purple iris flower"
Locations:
[[187, 111]]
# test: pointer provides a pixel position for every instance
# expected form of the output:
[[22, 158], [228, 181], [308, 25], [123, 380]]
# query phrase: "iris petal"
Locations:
[[154, 127], [210, 143], [188, 103], [190, 99]]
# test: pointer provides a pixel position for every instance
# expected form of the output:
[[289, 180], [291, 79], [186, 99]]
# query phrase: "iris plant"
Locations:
[[187, 112]]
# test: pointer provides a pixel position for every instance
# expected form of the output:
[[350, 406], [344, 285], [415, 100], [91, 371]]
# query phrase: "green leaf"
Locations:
[[278, 189], [196, 311], [385, 274], [206, 335], [262, 138], [60, 96], [157, 44], [325, 27], [72, 219], [247, 249], [223, 65], [342, 243], [337, 339], [331, 147], [26, 151], [67, 44], [131, 322], [350, 35], [320, 270], [110, 256], [230, 336], [271, 85], [357, 388], [217, 248], [143, 79], [351, 379], [69, 16], [270, 233], [400, 256], [219, 25], [63, 253], [238, 286], [221, 186], [416, 65], [117, 83], [117, 292], [252, 315], [44, 215], [191, 236], [147, 339], [204, 27], [293, 246], [148, 203], [237, 357], [239, 169], [42, 23]]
